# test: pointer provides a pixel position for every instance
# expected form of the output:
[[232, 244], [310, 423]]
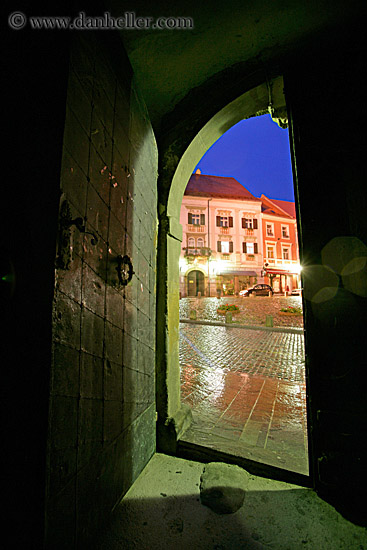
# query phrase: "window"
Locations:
[[270, 230], [224, 221], [249, 223], [285, 254], [196, 219], [226, 247], [200, 242], [191, 242], [270, 251], [285, 231], [249, 248]]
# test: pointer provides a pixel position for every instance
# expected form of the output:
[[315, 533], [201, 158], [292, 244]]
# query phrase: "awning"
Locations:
[[280, 272], [247, 273]]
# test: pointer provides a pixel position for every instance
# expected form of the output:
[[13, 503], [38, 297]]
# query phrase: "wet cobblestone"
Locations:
[[272, 354], [253, 311], [247, 392]]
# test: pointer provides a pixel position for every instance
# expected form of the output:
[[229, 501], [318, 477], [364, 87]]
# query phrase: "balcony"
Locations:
[[195, 228], [224, 230], [249, 231], [280, 262], [204, 252]]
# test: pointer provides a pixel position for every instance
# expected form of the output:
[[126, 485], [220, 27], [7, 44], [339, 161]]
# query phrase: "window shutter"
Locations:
[[231, 246], [218, 221], [189, 218], [255, 248], [202, 219], [255, 223], [219, 246], [243, 223], [244, 248], [230, 221]]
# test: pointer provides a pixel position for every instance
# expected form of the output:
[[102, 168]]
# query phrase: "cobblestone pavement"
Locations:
[[247, 392], [253, 311]]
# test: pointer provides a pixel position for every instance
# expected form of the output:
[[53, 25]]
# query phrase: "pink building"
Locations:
[[222, 237], [231, 239]]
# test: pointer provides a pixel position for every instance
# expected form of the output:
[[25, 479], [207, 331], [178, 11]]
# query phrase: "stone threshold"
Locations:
[[289, 330]]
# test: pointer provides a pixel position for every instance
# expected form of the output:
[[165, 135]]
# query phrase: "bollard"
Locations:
[[228, 317], [269, 321], [193, 314]]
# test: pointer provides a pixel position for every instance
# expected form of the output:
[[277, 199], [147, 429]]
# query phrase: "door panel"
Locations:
[[328, 151]]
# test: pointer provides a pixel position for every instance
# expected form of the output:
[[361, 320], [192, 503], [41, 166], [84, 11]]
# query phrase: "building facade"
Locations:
[[280, 244], [232, 240]]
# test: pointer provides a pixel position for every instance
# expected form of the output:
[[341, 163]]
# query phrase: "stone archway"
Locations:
[[177, 167]]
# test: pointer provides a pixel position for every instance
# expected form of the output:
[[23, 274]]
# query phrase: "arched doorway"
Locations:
[[177, 165], [195, 281]]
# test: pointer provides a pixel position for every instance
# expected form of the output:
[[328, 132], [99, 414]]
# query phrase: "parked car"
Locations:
[[296, 292], [258, 290]]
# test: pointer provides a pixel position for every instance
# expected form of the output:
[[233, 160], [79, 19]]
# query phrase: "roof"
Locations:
[[288, 206], [201, 185], [277, 207]]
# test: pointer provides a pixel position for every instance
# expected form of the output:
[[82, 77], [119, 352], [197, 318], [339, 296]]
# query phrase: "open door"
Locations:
[[329, 166]]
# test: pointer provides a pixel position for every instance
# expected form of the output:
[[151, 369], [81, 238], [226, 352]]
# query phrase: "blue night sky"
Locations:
[[256, 153]]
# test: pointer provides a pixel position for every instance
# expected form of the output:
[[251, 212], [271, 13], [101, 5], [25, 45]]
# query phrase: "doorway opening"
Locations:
[[243, 378], [173, 413], [195, 281]]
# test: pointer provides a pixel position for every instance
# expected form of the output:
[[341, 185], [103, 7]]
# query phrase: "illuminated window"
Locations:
[[249, 248], [226, 247], [270, 252]]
